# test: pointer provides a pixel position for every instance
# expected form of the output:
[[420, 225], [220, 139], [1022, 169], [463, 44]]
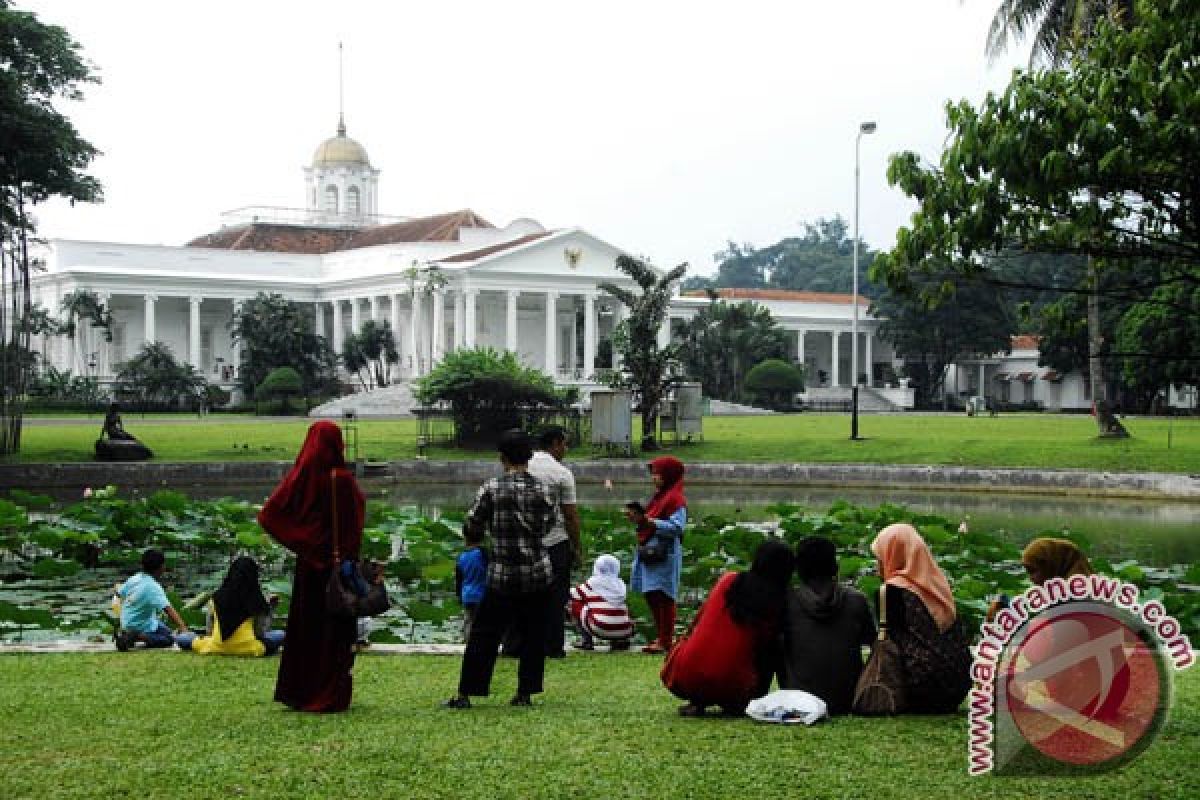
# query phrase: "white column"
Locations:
[[148, 334], [982, 386], [800, 347], [355, 315], [439, 325], [235, 353], [833, 372], [510, 321], [619, 314], [319, 318], [870, 359], [470, 299], [552, 333], [394, 318], [664, 332], [459, 341], [375, 309], [414, 315], [339, 328], [103, 346], [589, 335], [194, 331]]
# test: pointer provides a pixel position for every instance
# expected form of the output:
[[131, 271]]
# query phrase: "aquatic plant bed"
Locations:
[[604, 728], [1044, 441], [59, 563]]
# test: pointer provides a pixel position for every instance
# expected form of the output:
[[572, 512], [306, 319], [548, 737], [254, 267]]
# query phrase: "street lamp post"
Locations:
[[864, 127]]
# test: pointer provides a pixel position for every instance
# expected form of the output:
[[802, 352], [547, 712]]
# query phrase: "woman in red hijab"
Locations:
[[314, 673], [663, 519]]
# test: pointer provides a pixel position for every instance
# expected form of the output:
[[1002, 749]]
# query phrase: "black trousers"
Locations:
[[560, 593], [526, 613]]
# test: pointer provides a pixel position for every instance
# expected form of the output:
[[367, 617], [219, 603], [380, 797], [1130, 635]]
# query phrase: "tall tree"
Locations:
[[370, 354], [931, 332], [724, 341], [648, 370], [153, 376], [277, 332], [41, 156], [1098, 161], [1059, 27], [820, 260]]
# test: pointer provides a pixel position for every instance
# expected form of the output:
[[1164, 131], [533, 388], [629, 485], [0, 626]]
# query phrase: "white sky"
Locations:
[[666, 128]]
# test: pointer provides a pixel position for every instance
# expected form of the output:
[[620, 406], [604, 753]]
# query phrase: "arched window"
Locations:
[[353, 208], [331, 199]]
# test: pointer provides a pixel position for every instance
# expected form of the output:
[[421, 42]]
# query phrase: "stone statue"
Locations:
[[116, 443]]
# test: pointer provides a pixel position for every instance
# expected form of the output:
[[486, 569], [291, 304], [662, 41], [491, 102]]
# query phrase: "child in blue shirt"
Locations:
[[470, 578], [142, 598]]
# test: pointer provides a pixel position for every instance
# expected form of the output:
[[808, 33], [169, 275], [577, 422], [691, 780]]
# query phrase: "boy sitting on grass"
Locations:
[[142, 598]]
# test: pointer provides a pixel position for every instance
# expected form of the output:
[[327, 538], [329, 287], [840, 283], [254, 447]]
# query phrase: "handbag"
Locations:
[[880, 688], [654, 550], [347, 601]]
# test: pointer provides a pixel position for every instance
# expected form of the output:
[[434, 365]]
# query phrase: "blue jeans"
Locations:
[[272, 641], [161, 636]]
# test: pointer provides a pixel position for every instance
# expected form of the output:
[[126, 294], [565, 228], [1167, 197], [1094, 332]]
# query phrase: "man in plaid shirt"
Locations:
[[514, 509]]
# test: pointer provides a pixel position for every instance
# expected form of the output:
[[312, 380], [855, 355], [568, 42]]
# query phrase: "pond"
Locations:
[[36, 607]]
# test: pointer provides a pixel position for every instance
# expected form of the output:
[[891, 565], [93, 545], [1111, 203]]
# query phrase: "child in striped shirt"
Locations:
[[598, 606]]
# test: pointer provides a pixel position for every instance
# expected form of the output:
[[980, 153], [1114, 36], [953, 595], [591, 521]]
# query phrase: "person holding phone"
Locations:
[[660, 531]]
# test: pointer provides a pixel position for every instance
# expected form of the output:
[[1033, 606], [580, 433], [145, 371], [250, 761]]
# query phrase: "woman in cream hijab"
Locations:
[[1047, 558]]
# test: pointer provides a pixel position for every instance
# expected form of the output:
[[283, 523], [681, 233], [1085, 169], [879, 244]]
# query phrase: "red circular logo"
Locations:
[[1085, 688]]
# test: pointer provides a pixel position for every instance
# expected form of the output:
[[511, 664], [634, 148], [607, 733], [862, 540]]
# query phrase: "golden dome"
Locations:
[[340, 149]]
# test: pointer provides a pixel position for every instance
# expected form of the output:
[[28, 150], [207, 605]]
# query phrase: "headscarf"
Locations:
[[758, 594], [606, 579], [299, 513], [1055, 558], [816, 558], [667, 500], [239, 597], [905, 561]]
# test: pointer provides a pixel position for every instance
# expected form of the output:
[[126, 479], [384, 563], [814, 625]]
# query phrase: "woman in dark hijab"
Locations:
[[314, 673], [239, 617], [731, 653]]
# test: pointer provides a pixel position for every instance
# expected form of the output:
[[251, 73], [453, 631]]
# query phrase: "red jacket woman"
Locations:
[[314, 672]]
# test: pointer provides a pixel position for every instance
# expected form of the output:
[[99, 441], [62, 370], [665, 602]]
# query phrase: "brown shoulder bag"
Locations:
[[342, 600], [880, 688]]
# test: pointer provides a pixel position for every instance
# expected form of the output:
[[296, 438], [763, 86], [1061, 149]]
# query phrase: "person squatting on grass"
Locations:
[[470, 577], [598, 606], [142, 599], [826, 625], [238, 617], [731, 653], [664, 517], [923, 622], [515, 511], [315, 670]]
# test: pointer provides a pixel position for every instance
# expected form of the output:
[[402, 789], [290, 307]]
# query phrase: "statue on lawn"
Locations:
[[116, 443]]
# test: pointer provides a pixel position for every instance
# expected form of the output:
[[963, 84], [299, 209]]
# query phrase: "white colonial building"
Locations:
[[519, 287]]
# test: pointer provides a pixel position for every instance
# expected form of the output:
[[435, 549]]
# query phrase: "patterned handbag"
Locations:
[[360, 593], [880, 688]]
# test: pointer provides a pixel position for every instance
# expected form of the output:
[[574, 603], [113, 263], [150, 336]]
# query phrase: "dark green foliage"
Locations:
[[488, 392], [275, 332], [774, 383], [153, 378], [370, 354], [648, 370], [822, 260], [724, 340], [280, 384]]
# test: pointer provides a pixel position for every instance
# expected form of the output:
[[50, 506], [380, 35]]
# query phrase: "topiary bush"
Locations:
[[280, 384], [773, 383], [488, 392]]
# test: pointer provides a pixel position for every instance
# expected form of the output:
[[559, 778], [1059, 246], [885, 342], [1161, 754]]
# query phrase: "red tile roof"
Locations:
[[1026, 341], [475, 255], [781, 294], [272, 238]]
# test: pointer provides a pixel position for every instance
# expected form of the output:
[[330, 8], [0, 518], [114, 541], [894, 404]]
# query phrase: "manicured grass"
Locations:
[[1016, 440], [174, 725]]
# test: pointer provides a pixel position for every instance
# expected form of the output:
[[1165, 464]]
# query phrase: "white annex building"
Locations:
[[519, 287]]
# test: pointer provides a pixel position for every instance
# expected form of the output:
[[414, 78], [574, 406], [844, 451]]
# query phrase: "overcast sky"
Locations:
[[666, 128]]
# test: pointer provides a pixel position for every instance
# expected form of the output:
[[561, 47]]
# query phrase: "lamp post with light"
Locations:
[[864, 127]]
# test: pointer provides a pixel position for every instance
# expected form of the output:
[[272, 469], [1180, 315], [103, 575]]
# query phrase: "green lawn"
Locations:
[[1036, 440], [174, 725]]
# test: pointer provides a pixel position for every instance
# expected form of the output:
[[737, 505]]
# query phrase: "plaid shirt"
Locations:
[[515, 511]]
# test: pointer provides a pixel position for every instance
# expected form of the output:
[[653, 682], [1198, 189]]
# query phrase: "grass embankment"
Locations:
[[1025, 440], [173, 725]]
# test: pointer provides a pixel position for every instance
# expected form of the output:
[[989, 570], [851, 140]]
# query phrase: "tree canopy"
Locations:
[[724, 341], [371, 353], [277, 332]]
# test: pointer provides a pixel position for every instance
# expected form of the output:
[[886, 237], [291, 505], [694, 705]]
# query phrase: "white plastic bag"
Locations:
[[788, 706]]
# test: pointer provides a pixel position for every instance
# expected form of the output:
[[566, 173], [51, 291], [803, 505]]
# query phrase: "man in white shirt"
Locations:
[[562, 542]]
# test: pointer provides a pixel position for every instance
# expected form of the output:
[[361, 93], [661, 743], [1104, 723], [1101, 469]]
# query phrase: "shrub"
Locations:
[[488, 392], [280, 384], [774, 382]]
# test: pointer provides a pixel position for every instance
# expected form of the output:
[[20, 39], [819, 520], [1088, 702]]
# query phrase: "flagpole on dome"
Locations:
[[341, 128]]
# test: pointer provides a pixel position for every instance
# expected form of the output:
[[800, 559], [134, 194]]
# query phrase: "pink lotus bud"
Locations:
[[87, 492], [608, 484]]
